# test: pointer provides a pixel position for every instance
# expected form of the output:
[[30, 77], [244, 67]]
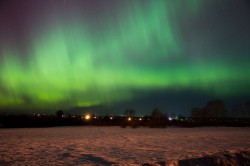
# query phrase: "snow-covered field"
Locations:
[[115, 145]]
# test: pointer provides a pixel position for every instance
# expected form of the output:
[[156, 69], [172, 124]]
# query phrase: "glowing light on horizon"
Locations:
[[87, 117]]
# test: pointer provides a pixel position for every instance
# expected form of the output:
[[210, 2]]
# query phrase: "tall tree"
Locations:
[[156, 113], [158, 119], [197, 112], [247, 107], [214, 109], [129, 112]]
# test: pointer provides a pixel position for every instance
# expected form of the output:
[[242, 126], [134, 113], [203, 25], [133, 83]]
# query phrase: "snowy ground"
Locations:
[[115, 145]]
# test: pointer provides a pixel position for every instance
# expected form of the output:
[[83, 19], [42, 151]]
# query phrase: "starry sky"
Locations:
[[105, 56]]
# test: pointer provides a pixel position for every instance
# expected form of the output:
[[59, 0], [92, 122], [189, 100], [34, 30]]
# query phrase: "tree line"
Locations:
[[216, 109], [213, 113]]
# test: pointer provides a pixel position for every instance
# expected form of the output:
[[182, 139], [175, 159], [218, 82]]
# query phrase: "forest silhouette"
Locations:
[[213, 113]]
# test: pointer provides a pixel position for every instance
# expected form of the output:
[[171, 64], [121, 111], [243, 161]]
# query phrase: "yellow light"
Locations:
[[87, 117], [129, 119], [140, 119], [111, 117]]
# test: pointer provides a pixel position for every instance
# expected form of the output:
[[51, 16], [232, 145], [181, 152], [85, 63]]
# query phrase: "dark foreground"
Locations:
[[236, 158], [87, 145]]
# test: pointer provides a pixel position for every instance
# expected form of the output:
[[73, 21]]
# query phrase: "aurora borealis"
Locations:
[[122, 53]]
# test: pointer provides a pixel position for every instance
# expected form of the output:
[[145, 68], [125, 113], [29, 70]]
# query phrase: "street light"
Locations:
[[87, 116]]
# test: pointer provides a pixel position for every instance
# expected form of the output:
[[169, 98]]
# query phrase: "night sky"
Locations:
[[107, 55]]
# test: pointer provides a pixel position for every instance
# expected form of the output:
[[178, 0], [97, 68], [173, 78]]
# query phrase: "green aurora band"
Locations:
[[77, 63]]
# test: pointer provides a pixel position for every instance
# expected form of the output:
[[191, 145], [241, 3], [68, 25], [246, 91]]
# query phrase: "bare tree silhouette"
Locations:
[[158, 119], [247, 107], [213, 109], [129, 112]]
